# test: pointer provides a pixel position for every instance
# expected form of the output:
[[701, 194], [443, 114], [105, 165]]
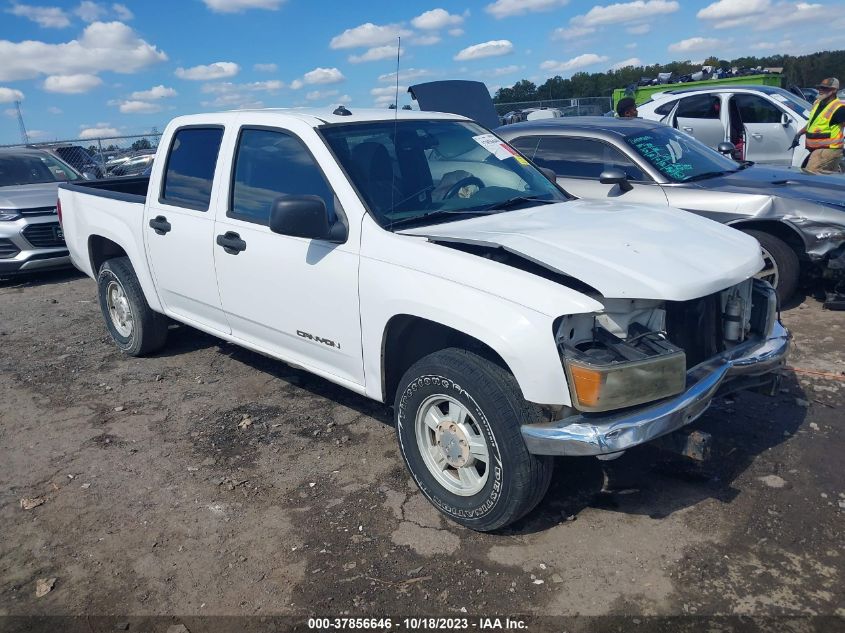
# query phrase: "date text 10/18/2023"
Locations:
[[417, 624]]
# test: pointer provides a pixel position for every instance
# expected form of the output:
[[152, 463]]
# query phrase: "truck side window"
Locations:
[[269, 164], [699, 107], [572, 157], [189, 173]]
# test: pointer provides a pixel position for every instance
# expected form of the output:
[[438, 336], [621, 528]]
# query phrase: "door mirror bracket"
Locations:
[[615, 177]]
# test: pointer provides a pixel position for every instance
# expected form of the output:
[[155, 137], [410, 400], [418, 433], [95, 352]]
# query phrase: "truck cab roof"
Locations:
[[319, 116]]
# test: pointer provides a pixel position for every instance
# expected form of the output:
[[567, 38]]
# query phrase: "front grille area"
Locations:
[[36, 211], [46, 235], [7, 249]]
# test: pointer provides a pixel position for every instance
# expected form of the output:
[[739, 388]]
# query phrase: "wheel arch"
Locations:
[[782, 230], [101, 249]]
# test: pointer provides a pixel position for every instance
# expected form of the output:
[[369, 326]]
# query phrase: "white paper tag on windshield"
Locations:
[[498, 147]]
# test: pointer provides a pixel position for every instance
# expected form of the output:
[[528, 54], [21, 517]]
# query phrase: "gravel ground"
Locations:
[[209, 480]]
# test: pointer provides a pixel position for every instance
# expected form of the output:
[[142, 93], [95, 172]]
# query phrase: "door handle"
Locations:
[[758, 136], [160, 225], [231, 242], [687, 129]]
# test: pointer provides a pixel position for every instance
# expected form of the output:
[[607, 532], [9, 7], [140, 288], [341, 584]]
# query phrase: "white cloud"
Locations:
[[436, 19], [387, 51], [732, 9], [156, 92], [71, 84], [506, 8], [791, 14], [46, 17], [138, 107], [695, 44], [503, 70], [90, 11], [55, 110], [317, 95], [625, 63], [101, 130], [368, 35], [572, 32], [36, 133], [265, 68], [237, 6], [425, 40], [10, 95], [631, 45], [388, 91], [639, 29], [576, 63], [405, 75], [625, 12], [323, 76], [493, 48], [217, 70], [227, 87], [122, 12], [103, 46], [456, 32]]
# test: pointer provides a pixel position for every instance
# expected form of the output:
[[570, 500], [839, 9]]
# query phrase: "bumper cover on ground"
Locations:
[[604, 433]]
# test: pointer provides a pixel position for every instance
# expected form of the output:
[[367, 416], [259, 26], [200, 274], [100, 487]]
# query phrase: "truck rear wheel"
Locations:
[[135, 328], [458, 420]]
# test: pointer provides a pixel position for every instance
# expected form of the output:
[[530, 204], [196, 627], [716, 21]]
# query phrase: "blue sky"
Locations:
[[88, 68]]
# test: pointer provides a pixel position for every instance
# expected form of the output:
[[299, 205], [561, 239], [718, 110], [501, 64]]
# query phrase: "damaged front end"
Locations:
[[642, 369]]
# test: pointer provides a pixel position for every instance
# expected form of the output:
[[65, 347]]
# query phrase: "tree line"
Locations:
[[801, 70]]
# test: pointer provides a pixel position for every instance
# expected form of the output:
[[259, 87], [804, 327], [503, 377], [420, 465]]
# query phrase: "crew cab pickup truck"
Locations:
[[417, 259]]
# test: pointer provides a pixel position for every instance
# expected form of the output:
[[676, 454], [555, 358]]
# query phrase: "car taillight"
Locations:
[[59, 210]]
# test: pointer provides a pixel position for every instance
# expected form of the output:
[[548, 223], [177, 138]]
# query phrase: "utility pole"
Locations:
[[24, 135]]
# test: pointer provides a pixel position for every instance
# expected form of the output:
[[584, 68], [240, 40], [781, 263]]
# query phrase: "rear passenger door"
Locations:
[[701, 116], [179, 229], [578, 162], [291, 297]]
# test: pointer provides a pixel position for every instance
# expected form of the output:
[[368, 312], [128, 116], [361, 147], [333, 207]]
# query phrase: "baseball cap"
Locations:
[[830, 82]]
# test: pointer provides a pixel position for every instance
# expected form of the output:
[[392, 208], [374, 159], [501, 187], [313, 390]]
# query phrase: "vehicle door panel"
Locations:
[[701, 117], [767, 139], [179, 241], [292, 297]]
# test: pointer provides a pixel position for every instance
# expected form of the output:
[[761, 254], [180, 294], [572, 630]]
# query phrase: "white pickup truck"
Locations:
[[422, 262]]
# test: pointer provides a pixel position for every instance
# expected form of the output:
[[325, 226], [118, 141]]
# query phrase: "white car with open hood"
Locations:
[[417, 259]]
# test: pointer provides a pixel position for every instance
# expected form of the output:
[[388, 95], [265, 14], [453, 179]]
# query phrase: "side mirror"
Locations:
[[785, 120], [87, 175], [615, 177], [549, 173], [305, 216], [726, 149]]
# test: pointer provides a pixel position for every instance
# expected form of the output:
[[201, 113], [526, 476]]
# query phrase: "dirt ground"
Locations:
[[157, 502]]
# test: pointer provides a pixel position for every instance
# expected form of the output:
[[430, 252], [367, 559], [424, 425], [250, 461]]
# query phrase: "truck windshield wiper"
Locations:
[[434, 215], [515, 201]]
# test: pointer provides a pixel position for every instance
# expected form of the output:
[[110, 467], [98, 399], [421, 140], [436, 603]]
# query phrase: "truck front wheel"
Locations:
[[458, 419], [135, 328]]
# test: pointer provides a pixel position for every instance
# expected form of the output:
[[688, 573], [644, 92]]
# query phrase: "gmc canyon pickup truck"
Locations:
[[417, 259]]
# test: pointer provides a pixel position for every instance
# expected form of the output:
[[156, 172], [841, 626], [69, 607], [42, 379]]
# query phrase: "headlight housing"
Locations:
[[9, 215]]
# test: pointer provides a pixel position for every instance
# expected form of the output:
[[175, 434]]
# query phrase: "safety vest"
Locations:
[[820, 133]]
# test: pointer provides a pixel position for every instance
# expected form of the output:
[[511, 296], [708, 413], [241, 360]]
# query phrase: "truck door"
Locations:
[[179, 229], [578, 162], [768, 130], [700, 116], [291, 297]]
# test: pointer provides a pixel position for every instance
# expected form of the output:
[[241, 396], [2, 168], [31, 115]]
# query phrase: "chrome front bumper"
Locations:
[[605, 433]]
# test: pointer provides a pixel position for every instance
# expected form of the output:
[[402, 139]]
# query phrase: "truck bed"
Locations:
[[130, 189]]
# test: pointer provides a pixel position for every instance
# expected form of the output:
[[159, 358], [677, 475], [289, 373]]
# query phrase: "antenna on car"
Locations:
[[395, 124]]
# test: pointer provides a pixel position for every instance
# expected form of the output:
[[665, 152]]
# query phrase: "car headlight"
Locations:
[[9, 215]]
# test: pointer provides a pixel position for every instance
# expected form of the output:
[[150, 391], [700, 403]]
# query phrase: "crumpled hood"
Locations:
[[29, 196], [622, 250], [782, 182]]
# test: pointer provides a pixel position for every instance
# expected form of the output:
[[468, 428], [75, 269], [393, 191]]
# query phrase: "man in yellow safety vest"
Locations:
[[824, 130]]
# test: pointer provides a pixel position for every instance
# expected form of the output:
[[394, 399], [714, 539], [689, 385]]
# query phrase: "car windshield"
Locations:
[[795, 103], [677, 156], [426, 171], [31, 169]]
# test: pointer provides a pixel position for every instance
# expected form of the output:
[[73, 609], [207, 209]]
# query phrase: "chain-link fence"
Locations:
[[585, 106], [104, 157]]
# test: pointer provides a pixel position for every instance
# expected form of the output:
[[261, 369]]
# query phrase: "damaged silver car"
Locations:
[[798, 218]]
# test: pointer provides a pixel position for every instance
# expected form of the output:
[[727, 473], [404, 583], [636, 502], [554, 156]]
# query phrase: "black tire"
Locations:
[[148, 331], [785, 259], [518, 480]]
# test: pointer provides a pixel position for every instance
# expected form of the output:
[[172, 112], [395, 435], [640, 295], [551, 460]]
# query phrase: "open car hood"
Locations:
[[622, 250], [456, 96]]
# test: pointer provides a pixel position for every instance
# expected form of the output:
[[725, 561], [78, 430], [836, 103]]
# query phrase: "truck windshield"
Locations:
[[32, 169], [430, 171], [678, 156]]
